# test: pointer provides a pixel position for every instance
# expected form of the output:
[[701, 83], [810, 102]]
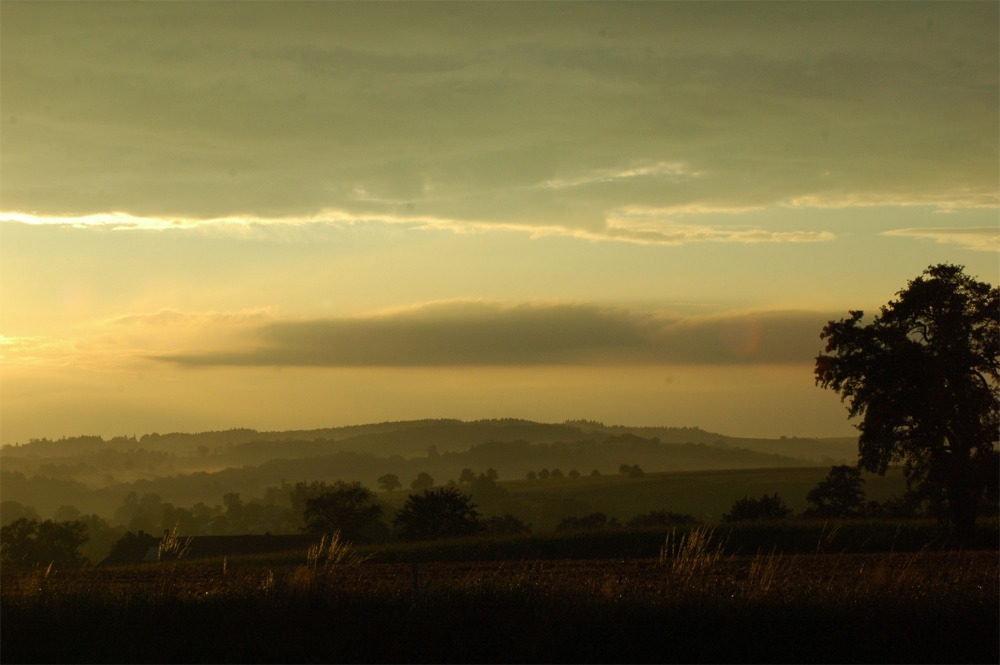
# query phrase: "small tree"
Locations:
[[467, 476], [350, 508], [842, 494], [765, 508], [440, 513], [633, 471], [389, 482], [924, 378], [596, 520], [423, 481]]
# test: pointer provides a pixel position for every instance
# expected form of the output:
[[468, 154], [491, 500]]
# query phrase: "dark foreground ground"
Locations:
[[697, 606]]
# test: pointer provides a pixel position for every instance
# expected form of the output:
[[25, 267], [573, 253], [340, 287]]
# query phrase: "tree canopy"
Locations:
[[440, 513], [924, 378], [841, 494], [26, 543], [350, 508], [767, 507]]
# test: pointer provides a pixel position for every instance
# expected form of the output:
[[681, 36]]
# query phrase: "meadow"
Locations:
[[877, 593]]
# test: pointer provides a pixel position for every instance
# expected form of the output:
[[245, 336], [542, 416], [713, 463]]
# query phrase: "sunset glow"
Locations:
[[304, 214]]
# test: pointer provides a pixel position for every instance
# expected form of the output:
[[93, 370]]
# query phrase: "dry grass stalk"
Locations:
[[692, 553], [172, 547]]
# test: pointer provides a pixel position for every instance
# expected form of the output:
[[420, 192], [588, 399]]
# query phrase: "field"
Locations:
[[706, 495], [703, 597]]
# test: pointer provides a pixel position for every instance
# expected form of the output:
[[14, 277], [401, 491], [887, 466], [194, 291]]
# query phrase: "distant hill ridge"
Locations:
[[95, 474], [414, 437]]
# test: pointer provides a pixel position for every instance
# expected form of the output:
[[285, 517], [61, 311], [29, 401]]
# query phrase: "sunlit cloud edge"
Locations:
[[979, 238], [617, 228]]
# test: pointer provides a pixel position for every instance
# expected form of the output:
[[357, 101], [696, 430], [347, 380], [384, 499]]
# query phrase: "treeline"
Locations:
[[356, 511], [97, 480]]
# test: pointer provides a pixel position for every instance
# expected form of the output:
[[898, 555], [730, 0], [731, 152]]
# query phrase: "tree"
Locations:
[[26, 543], [441, 513], [467, 476], [350, 508], [924, 377], [633, 471], [423, 481], [767, 507], [842, 494], [389, 482]]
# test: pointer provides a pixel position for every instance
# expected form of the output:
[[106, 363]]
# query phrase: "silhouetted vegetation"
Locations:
[[767, 507], [389, 482], [439, 513], [924, 378], [335, 604], [591, 521], [27, 543], [349, 509], [841, 494]]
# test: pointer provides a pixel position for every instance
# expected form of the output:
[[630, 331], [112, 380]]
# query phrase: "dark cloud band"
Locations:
[[490, 335]]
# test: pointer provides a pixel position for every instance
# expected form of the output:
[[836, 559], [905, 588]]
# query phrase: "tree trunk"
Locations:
[[962, 499]]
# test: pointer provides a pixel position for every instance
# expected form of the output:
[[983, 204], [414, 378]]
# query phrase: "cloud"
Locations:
[[537, 116], [663, 226], [473, 333], [983, 238], [631, 225], [123, 342]]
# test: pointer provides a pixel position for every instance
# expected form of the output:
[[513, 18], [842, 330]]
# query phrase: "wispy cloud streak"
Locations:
[[982, 239]]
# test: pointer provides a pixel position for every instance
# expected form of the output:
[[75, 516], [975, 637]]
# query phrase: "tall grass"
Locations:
[[322, 560], [697, 604], [173, 547], [690, 554]]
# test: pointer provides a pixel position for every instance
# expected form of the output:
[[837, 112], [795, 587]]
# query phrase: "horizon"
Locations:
[[139, 437], [288, 216]]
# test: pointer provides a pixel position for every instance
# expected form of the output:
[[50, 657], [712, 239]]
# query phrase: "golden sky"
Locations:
[[305, 214]]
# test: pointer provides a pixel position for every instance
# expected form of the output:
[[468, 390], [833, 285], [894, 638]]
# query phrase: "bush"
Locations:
[[591, 521], [767, 507], [660, 518]]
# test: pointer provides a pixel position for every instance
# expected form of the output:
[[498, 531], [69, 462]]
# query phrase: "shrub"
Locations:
[[767, 507]]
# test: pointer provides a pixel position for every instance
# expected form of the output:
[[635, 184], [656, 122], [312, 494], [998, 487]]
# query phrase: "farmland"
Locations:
[[706, 596]]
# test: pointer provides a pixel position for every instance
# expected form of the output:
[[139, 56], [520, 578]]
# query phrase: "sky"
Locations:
[[307, 214]]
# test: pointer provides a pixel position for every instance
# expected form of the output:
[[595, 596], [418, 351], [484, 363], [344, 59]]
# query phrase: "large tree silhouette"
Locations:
[[440, 513], [350, 508], [924, 377]]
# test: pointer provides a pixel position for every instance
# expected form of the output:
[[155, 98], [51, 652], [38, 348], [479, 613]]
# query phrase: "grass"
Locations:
[[700, 597]]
